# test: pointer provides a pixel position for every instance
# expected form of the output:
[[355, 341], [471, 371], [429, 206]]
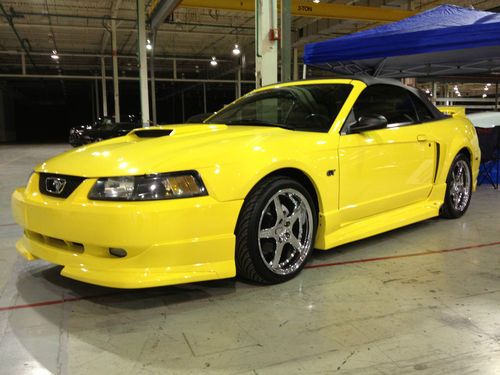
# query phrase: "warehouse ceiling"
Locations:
[[79, 31]]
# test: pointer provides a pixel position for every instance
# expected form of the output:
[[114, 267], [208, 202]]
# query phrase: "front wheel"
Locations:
[[458, 189], [275, 232]]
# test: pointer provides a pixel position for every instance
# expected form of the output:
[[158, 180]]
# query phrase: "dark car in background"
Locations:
[[198, 118], [103, 128]]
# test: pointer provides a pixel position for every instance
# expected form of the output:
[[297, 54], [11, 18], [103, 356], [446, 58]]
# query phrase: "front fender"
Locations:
[[235, 180]]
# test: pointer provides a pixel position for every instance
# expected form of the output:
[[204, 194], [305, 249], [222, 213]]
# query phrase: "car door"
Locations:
[[384, 169]]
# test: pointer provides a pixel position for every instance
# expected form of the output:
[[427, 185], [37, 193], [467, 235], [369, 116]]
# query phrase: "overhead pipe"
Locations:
[[22, 41], [122, 78], [99, 55], [160, 10], [64, 15]]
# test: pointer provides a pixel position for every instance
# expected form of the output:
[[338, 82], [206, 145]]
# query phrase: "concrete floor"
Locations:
[[429, 312]]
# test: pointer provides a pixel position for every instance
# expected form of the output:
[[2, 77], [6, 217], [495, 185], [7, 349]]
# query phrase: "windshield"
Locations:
[[302, 107]]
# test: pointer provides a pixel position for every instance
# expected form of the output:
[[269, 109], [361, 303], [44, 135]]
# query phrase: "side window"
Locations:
[[392, 102], [423, 113]]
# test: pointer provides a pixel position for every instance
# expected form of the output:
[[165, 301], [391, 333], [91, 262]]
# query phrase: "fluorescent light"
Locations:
[[236, 50]]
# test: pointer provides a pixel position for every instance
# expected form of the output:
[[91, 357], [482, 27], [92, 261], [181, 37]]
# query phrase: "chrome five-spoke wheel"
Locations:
[[276, 231], [460, 185], [458, 188], [285, 231]]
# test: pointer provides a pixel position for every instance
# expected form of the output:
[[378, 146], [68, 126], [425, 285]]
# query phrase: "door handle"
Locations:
[[421, 138]]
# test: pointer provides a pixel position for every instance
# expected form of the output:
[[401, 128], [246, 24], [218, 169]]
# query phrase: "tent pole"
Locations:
[[496, 96], [434, 92]]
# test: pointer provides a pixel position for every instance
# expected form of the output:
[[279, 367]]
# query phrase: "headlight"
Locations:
[[149, 187]]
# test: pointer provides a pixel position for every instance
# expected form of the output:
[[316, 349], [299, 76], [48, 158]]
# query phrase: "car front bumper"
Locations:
[[167, 242]]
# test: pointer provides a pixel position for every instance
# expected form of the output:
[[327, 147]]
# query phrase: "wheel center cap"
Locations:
[[282, 233]]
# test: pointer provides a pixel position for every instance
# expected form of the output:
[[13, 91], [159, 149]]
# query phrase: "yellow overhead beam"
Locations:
[[309, 9]]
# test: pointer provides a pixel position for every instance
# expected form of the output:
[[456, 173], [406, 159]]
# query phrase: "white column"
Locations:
[[143, 62], [152, 74], [295, 64], [103, 88], [286, 40], [23, 63], [204, 97], [97, 101], [266, 50], [238, 83], [116, 90]]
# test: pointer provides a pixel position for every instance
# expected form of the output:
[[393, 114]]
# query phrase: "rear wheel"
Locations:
[[459, 188], [276, 231]]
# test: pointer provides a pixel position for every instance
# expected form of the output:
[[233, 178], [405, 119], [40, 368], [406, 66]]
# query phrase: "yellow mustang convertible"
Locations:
[[250, 192]]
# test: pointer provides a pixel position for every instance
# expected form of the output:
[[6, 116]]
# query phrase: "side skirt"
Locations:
[[380, 223]]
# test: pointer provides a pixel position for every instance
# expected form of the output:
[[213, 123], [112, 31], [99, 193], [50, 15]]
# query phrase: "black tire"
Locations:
[[450, 209], [251, 250]]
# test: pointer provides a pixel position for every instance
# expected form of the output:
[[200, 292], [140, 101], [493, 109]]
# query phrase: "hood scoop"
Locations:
[[152, 133]]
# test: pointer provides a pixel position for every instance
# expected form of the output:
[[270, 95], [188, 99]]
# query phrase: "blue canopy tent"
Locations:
[[446, 40]]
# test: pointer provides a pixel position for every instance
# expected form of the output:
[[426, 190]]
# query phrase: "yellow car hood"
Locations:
[[187, 147]]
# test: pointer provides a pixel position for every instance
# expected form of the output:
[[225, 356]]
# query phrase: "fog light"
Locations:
[[117, 252]]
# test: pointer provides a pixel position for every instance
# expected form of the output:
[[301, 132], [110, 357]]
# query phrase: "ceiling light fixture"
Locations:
[[214, 62], [149, 46], [236, 50], [54, 55], [484, 95], [316, 1]]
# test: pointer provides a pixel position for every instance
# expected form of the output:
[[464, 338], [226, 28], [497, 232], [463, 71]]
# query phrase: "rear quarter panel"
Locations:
[[453, 135]]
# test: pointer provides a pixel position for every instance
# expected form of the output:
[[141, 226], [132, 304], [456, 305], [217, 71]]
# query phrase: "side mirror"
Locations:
[[370, 122]]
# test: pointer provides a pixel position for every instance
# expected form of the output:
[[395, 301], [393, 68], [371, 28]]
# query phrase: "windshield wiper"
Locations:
[[256, 122]]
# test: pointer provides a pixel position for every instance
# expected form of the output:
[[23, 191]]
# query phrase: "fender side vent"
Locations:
[[438, 156], [152, 133]]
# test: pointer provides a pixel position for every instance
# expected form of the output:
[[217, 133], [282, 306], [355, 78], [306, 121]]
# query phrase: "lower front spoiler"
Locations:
[[118, 274]]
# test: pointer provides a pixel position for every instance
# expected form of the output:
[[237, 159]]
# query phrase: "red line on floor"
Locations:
[[430, 252], [56, 302]]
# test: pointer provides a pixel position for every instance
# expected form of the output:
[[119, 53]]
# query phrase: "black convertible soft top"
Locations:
[[371, 81]]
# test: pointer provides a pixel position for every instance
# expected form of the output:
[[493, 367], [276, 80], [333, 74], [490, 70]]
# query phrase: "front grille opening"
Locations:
[[74, 247], [59, 186]]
